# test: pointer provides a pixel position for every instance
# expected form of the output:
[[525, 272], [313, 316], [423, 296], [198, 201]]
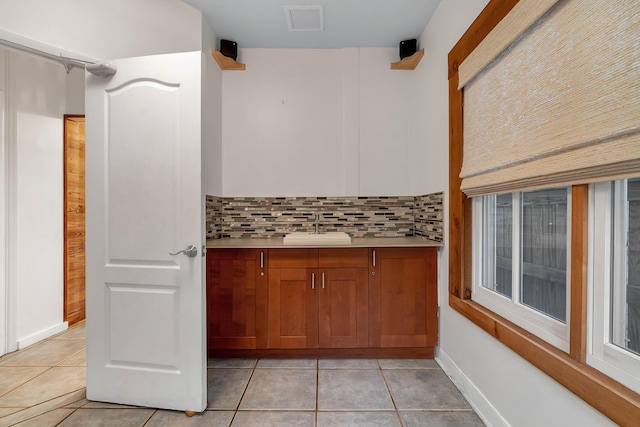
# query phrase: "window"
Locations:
[[521, 269], [615, 281], [493, 151]]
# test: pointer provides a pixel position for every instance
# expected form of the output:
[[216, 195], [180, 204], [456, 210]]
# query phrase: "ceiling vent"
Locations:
[[304, 18]]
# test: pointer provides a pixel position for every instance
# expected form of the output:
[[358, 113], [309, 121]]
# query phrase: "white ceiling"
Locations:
[[347, 23]]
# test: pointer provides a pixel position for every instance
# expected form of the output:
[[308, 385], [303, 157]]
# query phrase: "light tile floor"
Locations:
[[44, 385]]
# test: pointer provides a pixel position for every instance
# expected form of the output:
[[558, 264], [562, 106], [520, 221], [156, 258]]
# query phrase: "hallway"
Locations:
[[44, 385]]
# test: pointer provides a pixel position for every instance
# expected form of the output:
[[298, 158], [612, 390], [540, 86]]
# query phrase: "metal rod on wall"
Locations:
[[68, 63]]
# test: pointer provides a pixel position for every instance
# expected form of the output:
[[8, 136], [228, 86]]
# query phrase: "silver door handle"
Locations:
[[313, 280], [191, 251], [323, 280]]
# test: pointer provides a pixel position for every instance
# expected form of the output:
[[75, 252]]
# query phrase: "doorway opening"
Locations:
[[74, 218]]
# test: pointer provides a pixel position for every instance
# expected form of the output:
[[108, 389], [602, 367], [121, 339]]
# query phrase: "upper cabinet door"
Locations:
[[145, 307]]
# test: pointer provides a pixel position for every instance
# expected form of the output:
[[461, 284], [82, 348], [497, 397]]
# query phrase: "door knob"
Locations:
[[191, 251]]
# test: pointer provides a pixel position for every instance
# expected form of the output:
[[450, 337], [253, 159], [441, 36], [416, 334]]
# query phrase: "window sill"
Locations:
[[615, 401]]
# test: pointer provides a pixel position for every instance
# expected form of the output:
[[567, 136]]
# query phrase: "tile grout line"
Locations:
[[395, 407], [25, 382], [42, 413], [317, 391], [152, 414], [235, 412], [70, 366], [49, 367], [65, 418]]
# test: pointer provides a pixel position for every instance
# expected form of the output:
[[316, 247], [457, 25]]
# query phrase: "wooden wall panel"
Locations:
[[74, 219]]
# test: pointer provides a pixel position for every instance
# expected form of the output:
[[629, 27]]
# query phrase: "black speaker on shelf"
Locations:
[[408, 48], [229, 48]]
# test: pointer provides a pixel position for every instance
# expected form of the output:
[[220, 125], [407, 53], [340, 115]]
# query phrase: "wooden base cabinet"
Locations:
[[237, 299], [318, 298], [378, 302], [403, 297]]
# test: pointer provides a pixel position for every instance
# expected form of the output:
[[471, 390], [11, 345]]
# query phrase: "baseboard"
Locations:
[[485, 410], [327, 353], [39, 336]]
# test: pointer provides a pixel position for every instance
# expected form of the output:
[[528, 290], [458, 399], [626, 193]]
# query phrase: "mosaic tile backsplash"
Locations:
[[264, 217], [214, 217], [428, 214]]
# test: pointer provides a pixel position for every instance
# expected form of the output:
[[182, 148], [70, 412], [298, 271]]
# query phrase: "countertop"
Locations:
[[356, 242]]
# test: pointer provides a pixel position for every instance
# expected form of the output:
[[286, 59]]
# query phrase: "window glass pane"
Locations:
[[629, 294], [544, 251], [497, 243]]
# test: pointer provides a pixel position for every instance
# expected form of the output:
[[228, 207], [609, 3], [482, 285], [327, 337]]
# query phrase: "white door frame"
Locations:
[[3, 228], [8, 340]]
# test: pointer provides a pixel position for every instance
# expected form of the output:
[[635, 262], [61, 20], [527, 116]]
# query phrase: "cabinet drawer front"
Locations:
[[403, 253], [343, 257], [293, 258], [233, 253]]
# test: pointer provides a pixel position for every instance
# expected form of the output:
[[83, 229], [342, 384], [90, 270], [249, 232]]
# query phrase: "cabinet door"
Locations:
[[293, 308], [237, 298], [403, 297], [344, 308]]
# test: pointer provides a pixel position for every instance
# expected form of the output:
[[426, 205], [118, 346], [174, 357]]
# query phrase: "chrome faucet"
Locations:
[[317, 223]]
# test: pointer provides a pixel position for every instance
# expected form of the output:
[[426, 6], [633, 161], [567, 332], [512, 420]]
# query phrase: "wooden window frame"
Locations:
[[619, 403]]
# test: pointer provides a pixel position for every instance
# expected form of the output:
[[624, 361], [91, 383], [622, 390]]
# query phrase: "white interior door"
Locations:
[[145, 308]]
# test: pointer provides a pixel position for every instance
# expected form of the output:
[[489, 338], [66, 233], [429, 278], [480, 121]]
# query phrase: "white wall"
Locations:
[[74, 93], [504, 388], [38, 93], [36, 104], [430, 149], [282, 124], [386, 122], [211, 126], [209, 39], [102, 30], [305, 122]]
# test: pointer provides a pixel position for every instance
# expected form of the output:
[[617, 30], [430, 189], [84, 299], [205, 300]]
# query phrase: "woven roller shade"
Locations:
[[522, 16], [561, 105]]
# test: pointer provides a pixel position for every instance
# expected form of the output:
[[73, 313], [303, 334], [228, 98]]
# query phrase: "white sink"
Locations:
[[329, 238]]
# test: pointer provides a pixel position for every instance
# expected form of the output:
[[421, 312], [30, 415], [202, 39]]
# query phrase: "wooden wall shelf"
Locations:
[[410, 62], [225, 62]]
